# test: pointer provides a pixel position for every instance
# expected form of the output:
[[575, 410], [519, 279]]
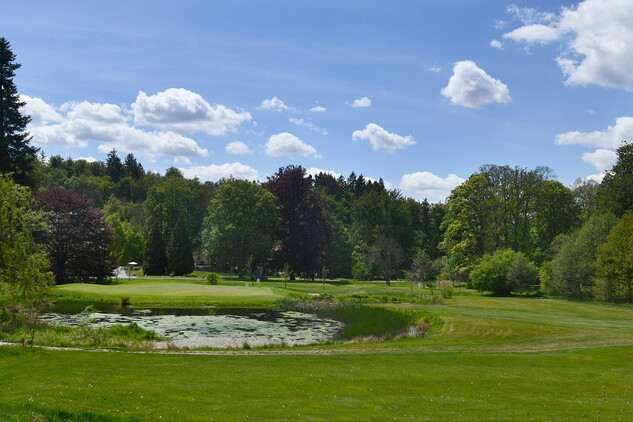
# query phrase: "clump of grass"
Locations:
[[213, 278], [116, 336]]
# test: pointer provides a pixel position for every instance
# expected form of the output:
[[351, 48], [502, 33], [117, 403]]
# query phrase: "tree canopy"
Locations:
[[240, 227]]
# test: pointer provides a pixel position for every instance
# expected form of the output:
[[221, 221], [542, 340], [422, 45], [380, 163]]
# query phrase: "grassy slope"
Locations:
[[495, 359]]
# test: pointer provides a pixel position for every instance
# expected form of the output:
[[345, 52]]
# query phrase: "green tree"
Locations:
[[179, 251], [616, 190], [572, 271], [128, 244], [17, 156], [23, 262], [115, 167], [615, 263], [241, 224], [385, 257], [155, 257], [503, 272]]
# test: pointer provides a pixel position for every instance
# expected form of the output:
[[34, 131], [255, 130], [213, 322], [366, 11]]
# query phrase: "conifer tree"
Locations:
[[155, 256], [17, 156], [179, 250]]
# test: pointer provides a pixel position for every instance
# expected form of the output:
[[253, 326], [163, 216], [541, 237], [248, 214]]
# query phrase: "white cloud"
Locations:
[[318, 109], [238, 148], [216, 172], [286, 144], [40, 112], [496, 44], [274, 104], [108, 125], [89, 159], [601, 159], [313, 171], [182, 161], [183, 111], [307, 123], [609, 138], [528, 15], [597, 38], [428, 185], [361, 102], [532, 34], [472, 87], [595, 177], [381, 140], [435, 69]]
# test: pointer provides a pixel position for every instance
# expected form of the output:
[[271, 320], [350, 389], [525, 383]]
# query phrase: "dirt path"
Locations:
[[359, 350]]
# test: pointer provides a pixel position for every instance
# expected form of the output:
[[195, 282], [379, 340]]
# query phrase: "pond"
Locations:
[[211, 327]]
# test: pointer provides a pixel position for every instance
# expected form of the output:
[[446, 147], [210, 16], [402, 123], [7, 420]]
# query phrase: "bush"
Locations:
[[504, 272], [213, 278]]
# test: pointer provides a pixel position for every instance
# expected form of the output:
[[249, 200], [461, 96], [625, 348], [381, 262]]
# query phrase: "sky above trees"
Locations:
[[419, 93]]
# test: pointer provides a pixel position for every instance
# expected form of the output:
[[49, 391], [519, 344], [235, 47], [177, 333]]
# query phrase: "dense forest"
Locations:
[[505, 229]]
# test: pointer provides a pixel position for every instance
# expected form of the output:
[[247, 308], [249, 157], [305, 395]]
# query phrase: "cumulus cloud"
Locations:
[[601, 159], [597, 41], [313, 171], [472, 87], [286, 144], [609, 138], [77, 123], [40, 112], [381, 140], [182, 111], [361, 102], [273, 104], [318, 109], [496, 44], [428, 185], [238, 148], [216, 172], [89, 159], [532, 34]]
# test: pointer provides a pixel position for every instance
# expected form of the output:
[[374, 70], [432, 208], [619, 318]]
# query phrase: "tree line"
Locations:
[[505, 229]]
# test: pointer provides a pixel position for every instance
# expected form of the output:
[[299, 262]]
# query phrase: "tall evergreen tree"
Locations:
[[17, 156], [116, 171], [179, 250], [155, 256]]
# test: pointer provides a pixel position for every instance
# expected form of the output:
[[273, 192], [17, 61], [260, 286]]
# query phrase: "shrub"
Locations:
[[504, 272], [213, 278]]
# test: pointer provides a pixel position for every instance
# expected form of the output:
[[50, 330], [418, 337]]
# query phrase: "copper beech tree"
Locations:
[[79, 238]]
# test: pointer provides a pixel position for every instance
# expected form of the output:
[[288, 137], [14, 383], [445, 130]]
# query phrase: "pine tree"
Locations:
[[16, 155], [179, 251], [155, 256]]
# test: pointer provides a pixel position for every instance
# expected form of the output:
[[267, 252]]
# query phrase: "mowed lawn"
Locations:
[[166, 292], [493, 359]]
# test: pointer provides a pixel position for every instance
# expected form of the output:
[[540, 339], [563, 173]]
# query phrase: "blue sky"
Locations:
[[420, 93]]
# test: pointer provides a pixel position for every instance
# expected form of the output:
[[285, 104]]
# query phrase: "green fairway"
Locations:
[[514, 358], [167, 292]]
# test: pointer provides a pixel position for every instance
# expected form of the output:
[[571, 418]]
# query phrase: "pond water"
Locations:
[[210, 327]]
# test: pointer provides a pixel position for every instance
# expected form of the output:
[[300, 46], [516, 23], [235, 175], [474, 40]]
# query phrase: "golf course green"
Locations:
[[511, 358]]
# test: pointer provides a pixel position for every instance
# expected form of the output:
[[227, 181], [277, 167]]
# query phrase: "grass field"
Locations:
[[493, 359]]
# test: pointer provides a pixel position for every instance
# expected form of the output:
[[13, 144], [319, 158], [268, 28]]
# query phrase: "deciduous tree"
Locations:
[[79, 239], [615, 263], [305, 229], [241, 224]]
